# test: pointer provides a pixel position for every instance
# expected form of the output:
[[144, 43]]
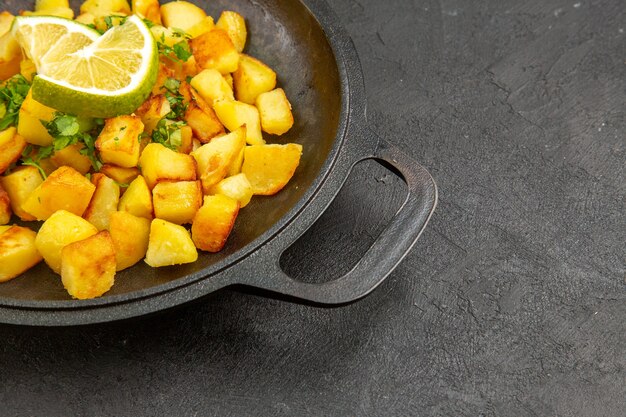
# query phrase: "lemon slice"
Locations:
[[83, 73]]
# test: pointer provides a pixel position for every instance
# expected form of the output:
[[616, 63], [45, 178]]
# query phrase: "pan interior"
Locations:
[[286, 36]]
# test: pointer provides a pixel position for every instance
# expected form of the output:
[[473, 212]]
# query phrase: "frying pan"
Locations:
[[318, 67]]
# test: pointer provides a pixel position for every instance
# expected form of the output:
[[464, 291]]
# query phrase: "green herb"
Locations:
[[176, 100], [148, 23], [32, 156], [167, 133], [12, 95], [180, 51]]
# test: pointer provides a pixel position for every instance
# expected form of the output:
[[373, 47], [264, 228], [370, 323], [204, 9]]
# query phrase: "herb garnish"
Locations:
[[12, 95]]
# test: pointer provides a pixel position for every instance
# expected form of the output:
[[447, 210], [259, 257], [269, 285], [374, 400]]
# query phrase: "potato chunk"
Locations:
[[152, 111], [215, 158], [212, 86], [252, 78], [214, 49], [18, 252], [169, 244], [275, 112], [177, 202], [130, 238], [235, 25], [159, 163], [64, 189], [118, 143], [11, 147], [137, 199], [29, 125], [104, 201], [234, 114], [270, 167], [88, 266], [120, 175], [100, 8], [181, 15], [149, 9], [19, 184], [203, 122], [236, 187], [61, 229], [71, 156], [10, 56], [5, 206], [214, 222]]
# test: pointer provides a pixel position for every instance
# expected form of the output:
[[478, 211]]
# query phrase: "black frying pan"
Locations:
[[317, 66]]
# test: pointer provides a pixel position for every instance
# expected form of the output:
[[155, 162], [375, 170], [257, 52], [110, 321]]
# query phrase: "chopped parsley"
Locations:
[[167, 133], [180, 51], [12, 95]]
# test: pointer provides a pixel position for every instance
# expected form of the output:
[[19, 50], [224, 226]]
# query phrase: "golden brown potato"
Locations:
[[118, 143], [234, 114], [212, 86], [123, 176], [64, 189], [270, 167], [235, 25], [137, 200], [213, 222], [215, 158], [152, 111], [159, 163], [169, 244], [275, 112], [181, 15], [130, 238], [86, 19], [10, 56], [204, 123], [70, 156], [28, 69], [29, 125], [88, 266], [11, 147], [5, 206], [17, 252], [105, 8], [236, 187], [6, 21], [19, 184], [149, 9], [61, 229], [201, 27], [104, 201], [177, 202], [214, 49], [252, 78]]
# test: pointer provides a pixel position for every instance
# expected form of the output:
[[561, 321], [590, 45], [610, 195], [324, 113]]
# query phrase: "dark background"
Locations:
[[511, 304]]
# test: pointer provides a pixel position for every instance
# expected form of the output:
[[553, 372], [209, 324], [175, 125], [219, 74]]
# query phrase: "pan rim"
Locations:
[[344, 55]]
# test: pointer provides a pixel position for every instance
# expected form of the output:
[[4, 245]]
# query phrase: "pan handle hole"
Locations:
[[365, 205]]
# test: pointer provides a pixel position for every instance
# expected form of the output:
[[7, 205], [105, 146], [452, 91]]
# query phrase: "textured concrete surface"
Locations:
[[511, 304]]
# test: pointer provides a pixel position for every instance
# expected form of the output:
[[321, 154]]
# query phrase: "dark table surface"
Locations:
[[511, 304]]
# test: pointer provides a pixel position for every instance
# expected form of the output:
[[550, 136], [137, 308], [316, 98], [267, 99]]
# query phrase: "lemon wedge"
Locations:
[[82, 73]]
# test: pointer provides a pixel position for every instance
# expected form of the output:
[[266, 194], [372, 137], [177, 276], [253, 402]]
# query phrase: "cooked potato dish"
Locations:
[[161, 184]]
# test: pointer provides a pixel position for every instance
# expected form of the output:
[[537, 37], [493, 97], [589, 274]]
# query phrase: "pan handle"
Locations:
[[385, 253]]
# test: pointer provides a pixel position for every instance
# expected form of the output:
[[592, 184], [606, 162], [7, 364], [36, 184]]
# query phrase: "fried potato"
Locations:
[[19, 184], [270, 167], [152, 111], [61, 229], [159, 163], [130, 238], [204, 123], [214, 49], [5, 206], [205, 25], [64, 189], [118, 143], [252, 78], [236, 187], [235, 26], [11, 147], [177, 202], [10, 56], [234, 114], [123, 176], [29, 125], [104, 201], [100, 8], [137, 200], [88, 266], [71, 156], [212, 86], [18, 252], [181, 15], [215, 158], [169, 244], [213, 222], [275, 112], [149, 9]]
